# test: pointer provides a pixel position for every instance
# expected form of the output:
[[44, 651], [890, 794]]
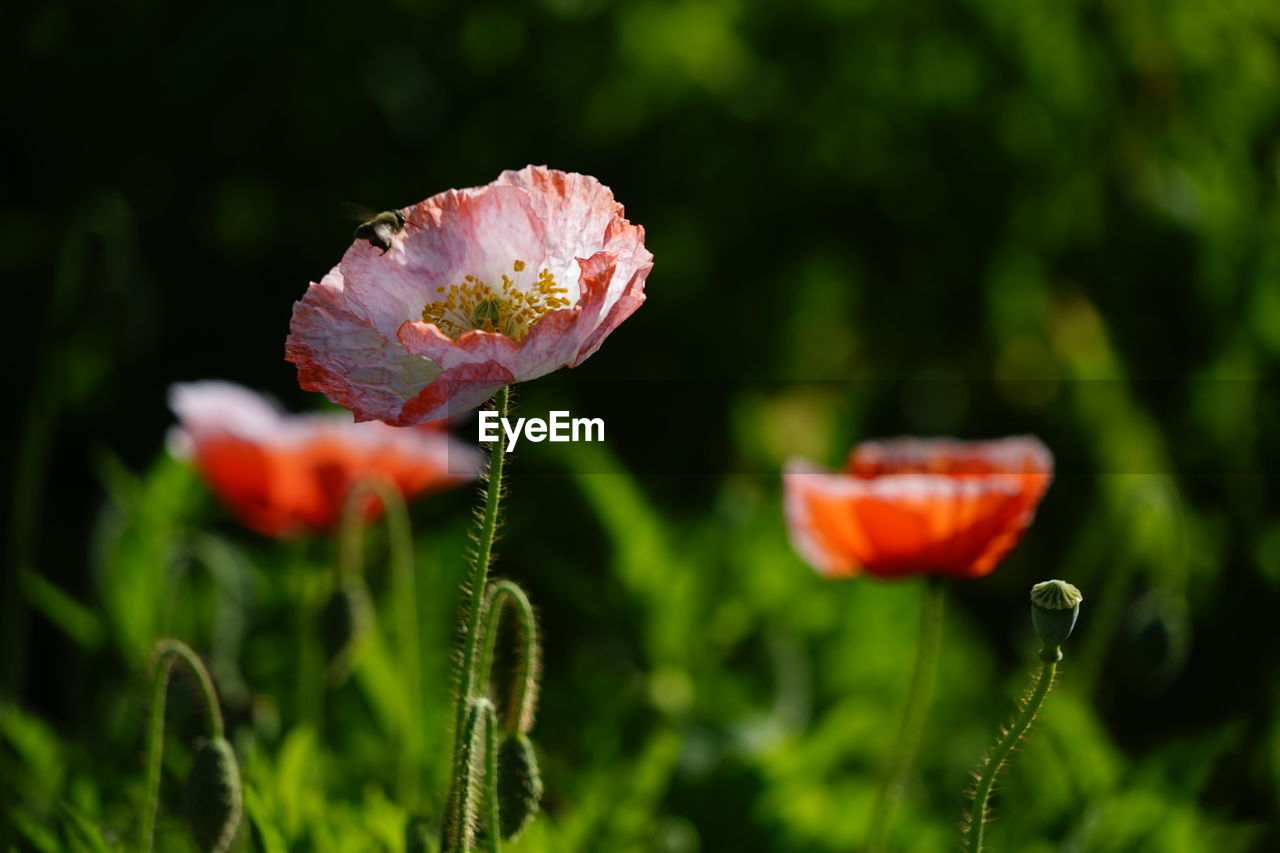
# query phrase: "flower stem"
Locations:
[[493, 829], [476, 584], [992, 764], [477, 783], [520, 694], [164, 656], [405, 594], [919, 696]]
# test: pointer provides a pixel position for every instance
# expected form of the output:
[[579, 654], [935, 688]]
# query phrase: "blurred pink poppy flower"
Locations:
[[481, 288], [912, 506], [282, 475]]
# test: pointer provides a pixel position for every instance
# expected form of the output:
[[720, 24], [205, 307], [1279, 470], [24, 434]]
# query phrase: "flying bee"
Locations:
[[377, 228]]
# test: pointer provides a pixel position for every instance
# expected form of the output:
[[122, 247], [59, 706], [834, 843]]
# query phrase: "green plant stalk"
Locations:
[[477, 783], [492, 822], [309, 685], [919, 696], [405, 593], [477, 581], [166, 654], [523, 699], [976, 824]]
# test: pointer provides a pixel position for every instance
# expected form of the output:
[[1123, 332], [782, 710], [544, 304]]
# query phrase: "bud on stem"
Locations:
[[519, 785], [213, 804], [1054, 607], [350, 602], [346, 621]]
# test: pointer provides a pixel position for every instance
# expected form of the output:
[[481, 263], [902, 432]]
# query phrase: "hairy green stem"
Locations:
[[493, 826], [521, 693], [405, 604], [990, 770], [919, 695], [476, 585], [164, 656], [477, 783]]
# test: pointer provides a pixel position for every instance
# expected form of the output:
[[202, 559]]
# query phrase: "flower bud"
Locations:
[[213, 805], [519, 785], [1055, 605], [345, 621]]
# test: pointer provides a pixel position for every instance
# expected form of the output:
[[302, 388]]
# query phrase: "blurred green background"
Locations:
[[976, 218]]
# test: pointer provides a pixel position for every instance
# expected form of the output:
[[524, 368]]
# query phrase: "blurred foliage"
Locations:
[[978, 218]]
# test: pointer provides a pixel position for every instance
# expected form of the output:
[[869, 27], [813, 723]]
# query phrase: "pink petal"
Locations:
[[457, 390], [358, 335], [349, 359]]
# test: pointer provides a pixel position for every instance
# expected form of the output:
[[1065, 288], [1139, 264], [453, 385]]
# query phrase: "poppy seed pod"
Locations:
[[1055, 605], [213, 805]]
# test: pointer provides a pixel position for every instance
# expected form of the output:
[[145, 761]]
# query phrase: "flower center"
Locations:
[[507, 308]]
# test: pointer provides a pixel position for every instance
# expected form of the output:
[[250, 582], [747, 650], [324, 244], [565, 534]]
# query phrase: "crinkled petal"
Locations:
[[631, 298], [457, 390], [359, 336], [552, 343], [580, 217], [349, 359], [479, 232]]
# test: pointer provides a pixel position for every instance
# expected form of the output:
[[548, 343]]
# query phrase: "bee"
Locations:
[[377, 228]]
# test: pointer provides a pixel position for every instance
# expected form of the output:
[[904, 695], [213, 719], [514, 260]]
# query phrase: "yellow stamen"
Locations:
[[507, 309]]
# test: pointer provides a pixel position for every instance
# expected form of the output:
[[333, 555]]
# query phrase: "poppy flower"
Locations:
[[917, 506], [283, 475], [479, 288]]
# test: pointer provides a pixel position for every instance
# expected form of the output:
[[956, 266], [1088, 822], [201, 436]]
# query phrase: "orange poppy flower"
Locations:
[[917, 506], [282, 475]]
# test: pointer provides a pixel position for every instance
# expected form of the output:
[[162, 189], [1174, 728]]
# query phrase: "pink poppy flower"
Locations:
[[282, 475], [481, 288], [916, 506]]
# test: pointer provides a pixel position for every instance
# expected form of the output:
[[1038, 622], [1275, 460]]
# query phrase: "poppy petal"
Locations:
[[961, 519]]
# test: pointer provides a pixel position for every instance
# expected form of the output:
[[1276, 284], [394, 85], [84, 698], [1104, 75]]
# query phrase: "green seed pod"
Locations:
[[213, 804], [345, 622], [1055, 605], [519, 785]]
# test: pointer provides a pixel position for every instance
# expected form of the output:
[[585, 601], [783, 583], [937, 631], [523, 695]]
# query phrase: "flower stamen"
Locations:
[[509, 309]]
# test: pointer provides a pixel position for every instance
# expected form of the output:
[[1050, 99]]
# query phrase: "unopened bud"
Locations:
[[345, 622], [1055, 605], [213, 803], [519, 785]]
